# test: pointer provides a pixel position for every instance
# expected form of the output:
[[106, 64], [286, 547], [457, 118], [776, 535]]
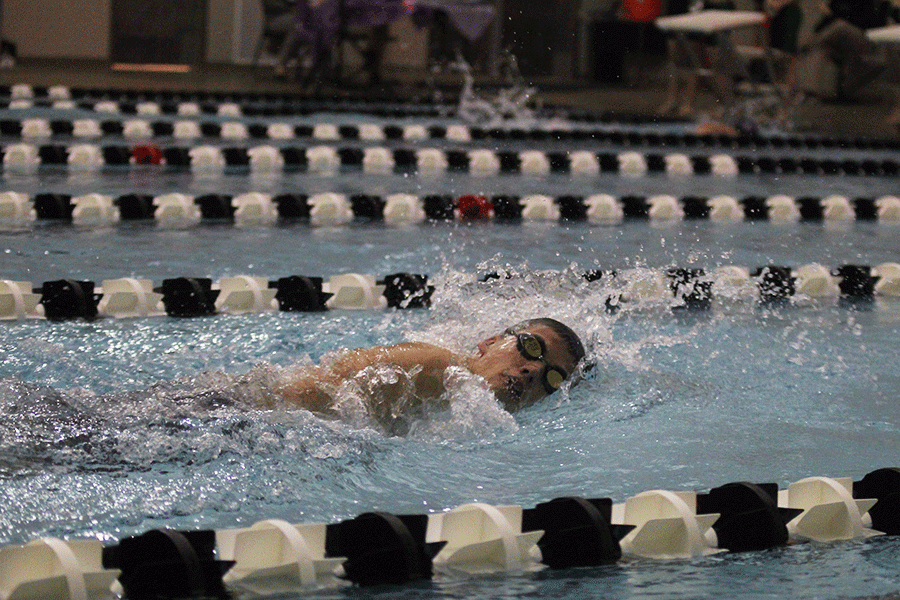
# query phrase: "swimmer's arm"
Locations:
[[307, 388], [310, 386]]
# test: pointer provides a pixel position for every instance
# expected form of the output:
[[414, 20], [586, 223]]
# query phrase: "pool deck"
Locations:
[[864, 116]]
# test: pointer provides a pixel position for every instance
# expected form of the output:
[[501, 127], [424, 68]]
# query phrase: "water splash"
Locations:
[[509, 104]]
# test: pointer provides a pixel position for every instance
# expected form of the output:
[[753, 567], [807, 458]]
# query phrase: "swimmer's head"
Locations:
[[528, 361]]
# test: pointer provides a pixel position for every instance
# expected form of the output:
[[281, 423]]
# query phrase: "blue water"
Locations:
[[114, 427]]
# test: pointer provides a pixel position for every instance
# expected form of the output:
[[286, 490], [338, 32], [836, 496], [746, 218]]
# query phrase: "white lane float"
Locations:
[[415, 133], [888, 209], [254, 208], [274, 556], [837, 208], [458, 133], [129, 297], [21, 91], [370, 132], [782, 209], [664, 207], [137, 129], [534, 162], [830, 512], [16, 207], [888, 283], [280, 131], [229, 109], [678, 165], [604, 209], [582, 162], [378, 160], [86, 128], [330, 208], [21, 158], [53, 569], [18, 301], [206, 159], [354, 291], [403, 208], [666, 525], [725, 209], [234, 131], [36, 128], [723, 165], [188, 109], [326, 131], [106, 106], [733, 282], [245, 294], [94, 209], [148, 108], [59, 92], [632, 164], [538, 207], [482, 538], [483, 163], [88, 157], [431, 161], [816, 280], [265, 159], [322, 160], [176, 208], [186, 130]]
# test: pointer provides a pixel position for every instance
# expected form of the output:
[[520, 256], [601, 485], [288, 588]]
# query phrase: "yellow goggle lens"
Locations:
[[532, 347], [554, 379]]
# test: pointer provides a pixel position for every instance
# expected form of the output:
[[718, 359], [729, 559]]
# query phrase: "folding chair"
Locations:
[[368, 41], [278, 20]]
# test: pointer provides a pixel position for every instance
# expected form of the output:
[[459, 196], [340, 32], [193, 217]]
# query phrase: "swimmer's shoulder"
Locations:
[[430, 356]]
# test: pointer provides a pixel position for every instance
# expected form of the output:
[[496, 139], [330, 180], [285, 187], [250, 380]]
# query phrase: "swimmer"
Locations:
[[520, 366]]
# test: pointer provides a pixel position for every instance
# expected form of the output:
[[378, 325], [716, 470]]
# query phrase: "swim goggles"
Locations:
[[532, 347]]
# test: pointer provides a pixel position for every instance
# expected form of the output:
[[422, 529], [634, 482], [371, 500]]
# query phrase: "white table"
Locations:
[[889, 36], [711, 21], [884, 35], [719, 24]]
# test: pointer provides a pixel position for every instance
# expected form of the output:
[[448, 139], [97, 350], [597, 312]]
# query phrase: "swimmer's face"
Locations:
[[525, 366]]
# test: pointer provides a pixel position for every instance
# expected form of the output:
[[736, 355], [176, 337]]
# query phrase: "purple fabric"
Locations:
[[318, 25], [471, 20], [372, 13]]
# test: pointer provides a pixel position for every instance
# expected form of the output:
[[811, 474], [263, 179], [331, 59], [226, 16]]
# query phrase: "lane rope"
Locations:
[[678, 289], [275, 556], [326, 159], [181, 125], [334, 208]]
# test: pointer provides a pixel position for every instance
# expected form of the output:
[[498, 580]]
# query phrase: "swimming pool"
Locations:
[[127, 430]]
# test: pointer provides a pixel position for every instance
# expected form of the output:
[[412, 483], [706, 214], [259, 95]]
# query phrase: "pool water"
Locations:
[[113, 427]]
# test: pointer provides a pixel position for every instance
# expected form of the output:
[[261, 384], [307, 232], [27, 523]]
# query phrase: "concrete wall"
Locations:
[[58, 28], [220, 29], [67, 29]]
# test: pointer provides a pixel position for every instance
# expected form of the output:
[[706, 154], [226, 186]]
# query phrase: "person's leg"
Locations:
[[721, 80], [378, 41], [676, 71], [288, 50], [686, 106], [787, 80], [893, 118]]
